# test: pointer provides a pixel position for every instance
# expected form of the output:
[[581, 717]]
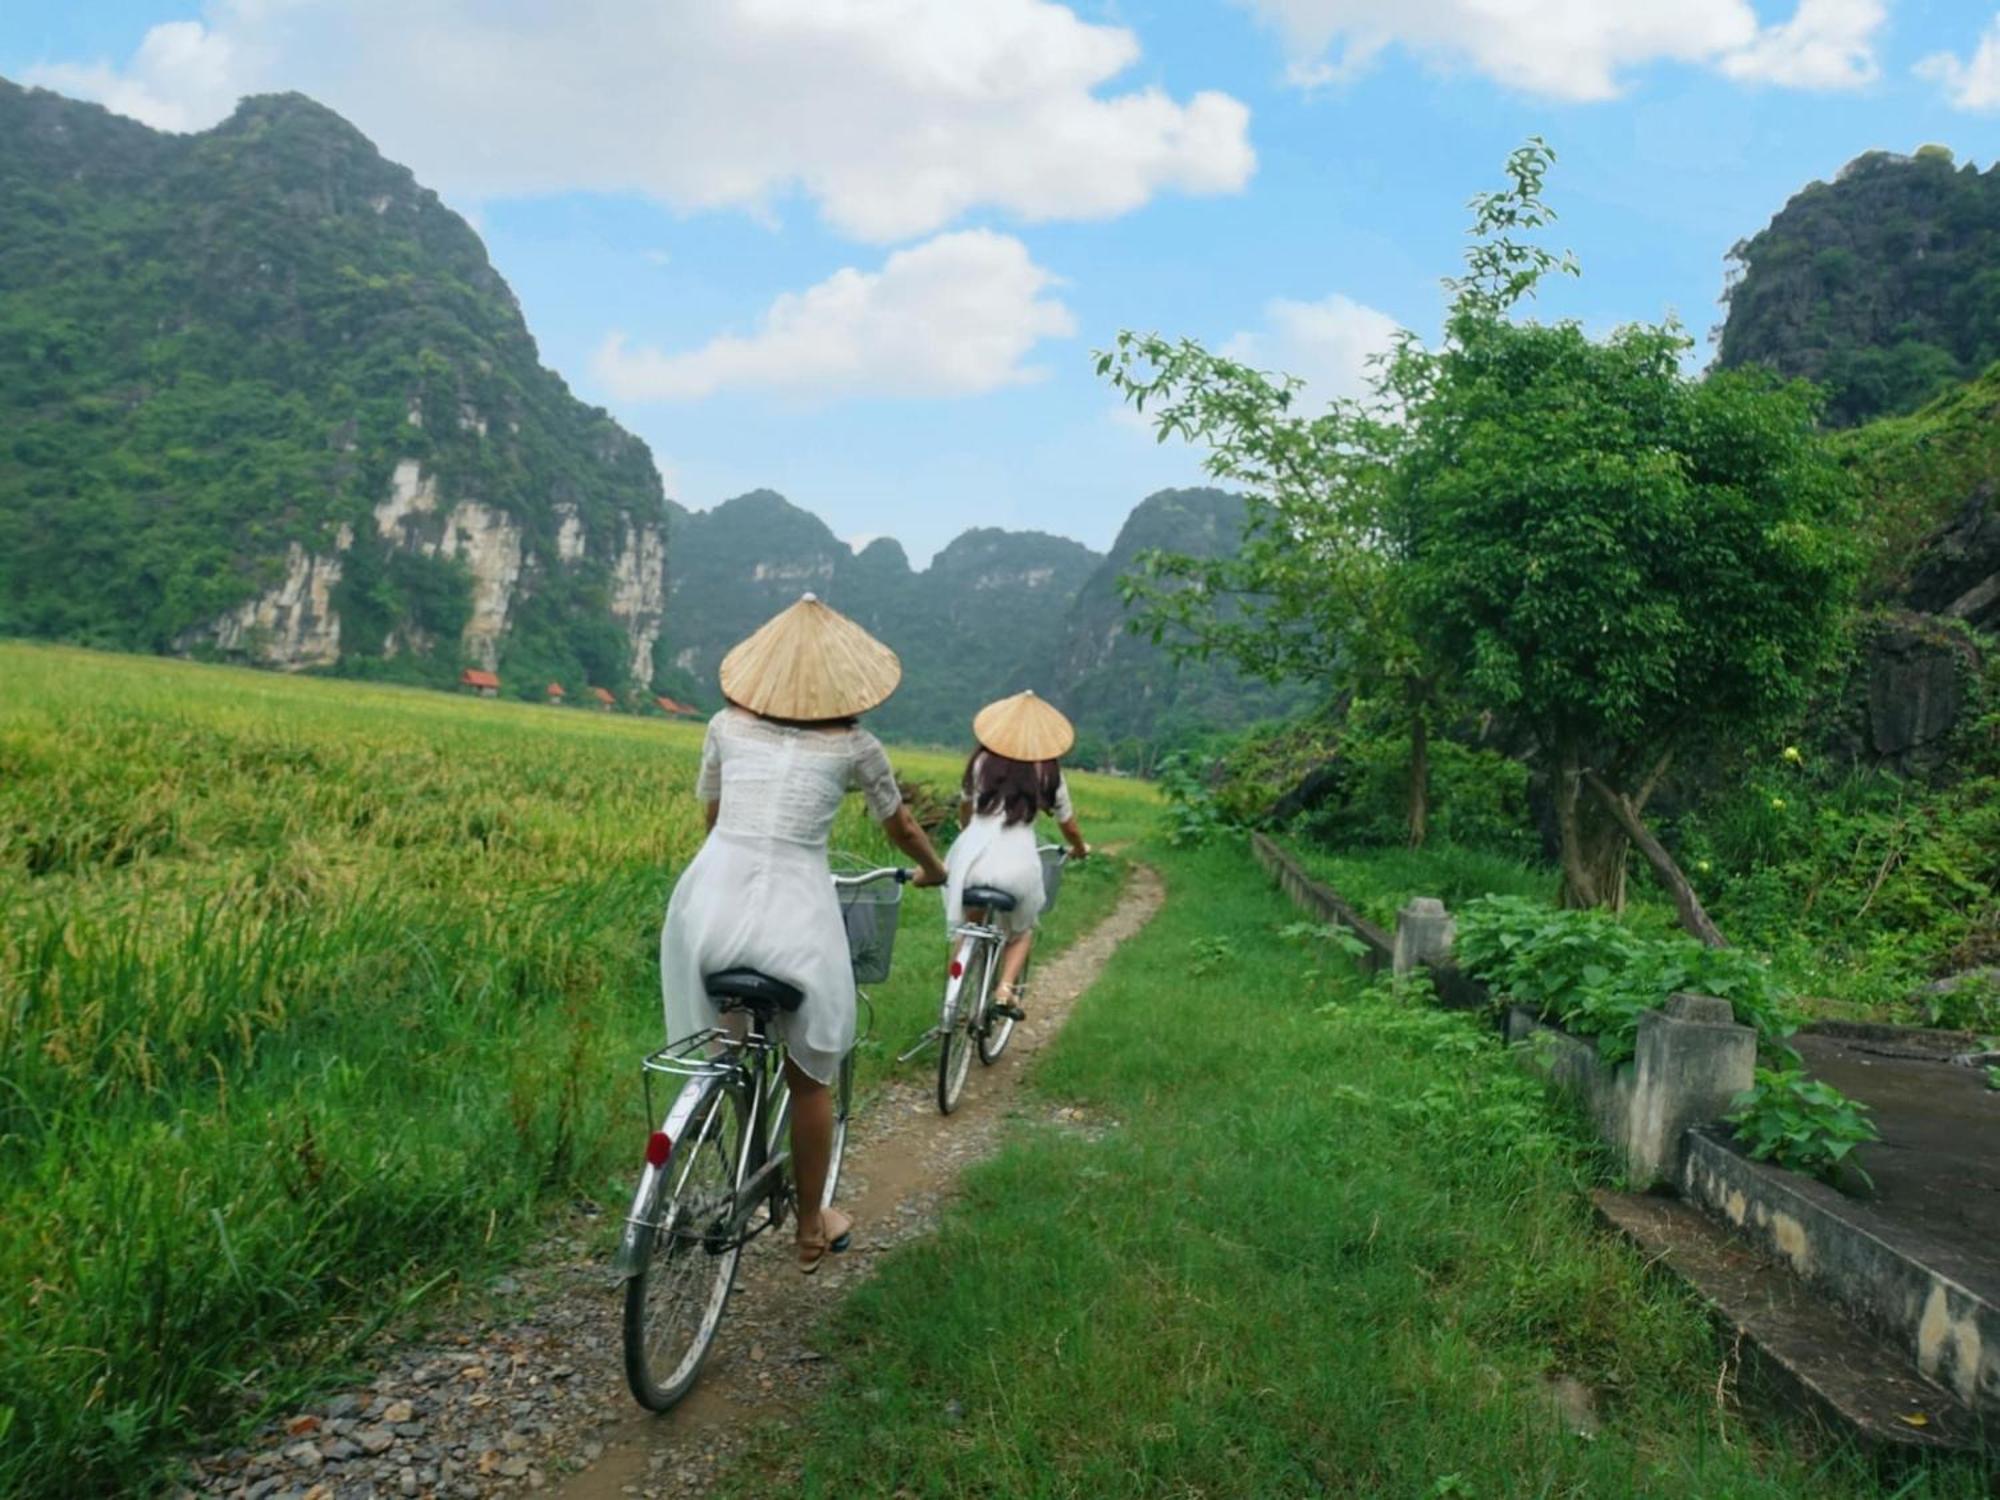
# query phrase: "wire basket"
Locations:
[[869, 912], [1052, 868]]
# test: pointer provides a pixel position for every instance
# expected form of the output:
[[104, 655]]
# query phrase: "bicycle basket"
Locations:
[[869, 914], [1052, 868]]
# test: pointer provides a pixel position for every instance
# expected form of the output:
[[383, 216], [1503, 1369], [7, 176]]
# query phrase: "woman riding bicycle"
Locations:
[[1012, 778], [759, 895]]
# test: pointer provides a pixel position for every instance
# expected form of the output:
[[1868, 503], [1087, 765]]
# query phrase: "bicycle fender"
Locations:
[[625, 1264]]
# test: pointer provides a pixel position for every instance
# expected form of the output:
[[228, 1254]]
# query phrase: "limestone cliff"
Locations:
[[315, 433]]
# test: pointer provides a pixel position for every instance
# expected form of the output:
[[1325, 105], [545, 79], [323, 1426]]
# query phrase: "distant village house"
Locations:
[[555, 692], [677, 710], [483, 683], [605, 702]]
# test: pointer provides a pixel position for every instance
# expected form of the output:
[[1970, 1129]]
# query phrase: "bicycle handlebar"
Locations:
[[869, 877]]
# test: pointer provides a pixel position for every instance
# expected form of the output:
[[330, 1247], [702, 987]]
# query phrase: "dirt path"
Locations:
[[533, 1399]]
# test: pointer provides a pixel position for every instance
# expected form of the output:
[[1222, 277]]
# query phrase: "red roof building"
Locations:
[[555, 692], [679, 710], [604, 699], [483, 683]]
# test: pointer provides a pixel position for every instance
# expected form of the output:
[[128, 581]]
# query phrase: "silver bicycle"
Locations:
[[971, 1020], [718, 1170]]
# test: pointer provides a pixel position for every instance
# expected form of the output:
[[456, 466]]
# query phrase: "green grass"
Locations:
[[314, 997], [1320, 1243], [1380, 881]]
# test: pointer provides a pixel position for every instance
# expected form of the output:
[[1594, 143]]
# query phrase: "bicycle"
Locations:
[[971, 1019], [717, 1174]]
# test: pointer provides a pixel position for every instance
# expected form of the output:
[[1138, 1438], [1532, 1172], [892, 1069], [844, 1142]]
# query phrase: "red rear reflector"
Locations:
[[957, 968], [657, 1149]]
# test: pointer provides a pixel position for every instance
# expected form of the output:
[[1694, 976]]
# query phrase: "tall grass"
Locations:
[[1312, 1241], [1380, 881], [312, 994]]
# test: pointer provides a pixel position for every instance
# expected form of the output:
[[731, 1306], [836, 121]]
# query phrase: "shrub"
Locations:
[[1801, 1123]]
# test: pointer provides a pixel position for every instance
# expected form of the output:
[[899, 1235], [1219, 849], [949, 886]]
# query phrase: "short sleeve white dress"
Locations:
[[990, 852], [759, 894]]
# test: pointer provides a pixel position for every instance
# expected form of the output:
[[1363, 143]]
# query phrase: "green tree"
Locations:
[[1317, 592], [1629, 564]]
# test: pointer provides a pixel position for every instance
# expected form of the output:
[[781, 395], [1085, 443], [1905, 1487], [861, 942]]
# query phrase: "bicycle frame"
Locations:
[[753, 1059]]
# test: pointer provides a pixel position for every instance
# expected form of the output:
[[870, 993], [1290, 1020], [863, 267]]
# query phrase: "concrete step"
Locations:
[[1846, 1373], [1931, 1296]]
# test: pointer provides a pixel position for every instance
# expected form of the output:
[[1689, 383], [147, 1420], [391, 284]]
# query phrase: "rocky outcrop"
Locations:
[[488, 542], [639, 593], [1957, 574], [1910, 688], [292, 626]]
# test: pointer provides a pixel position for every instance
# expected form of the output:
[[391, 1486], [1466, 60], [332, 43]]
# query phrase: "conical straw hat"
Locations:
[[1023, 727], [809, 662]]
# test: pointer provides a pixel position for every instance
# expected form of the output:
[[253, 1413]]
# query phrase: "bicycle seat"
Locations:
[[986, 898], [746, 989]]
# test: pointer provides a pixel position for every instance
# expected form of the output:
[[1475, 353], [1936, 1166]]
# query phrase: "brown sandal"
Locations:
[[812, 1252]]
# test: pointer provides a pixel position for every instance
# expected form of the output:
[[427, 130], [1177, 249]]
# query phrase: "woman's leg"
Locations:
[[1013, 959], [812, 1145]]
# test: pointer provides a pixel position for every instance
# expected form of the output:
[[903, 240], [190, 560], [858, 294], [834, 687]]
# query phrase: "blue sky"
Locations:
[[859, 251]]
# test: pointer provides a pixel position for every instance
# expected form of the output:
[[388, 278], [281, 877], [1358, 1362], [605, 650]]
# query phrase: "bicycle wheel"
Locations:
[[960, 1013], [675, 1300], [998, 1030], [843, 1104]]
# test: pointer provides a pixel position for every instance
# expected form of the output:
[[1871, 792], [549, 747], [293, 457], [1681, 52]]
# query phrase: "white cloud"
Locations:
[[952, 316], [1579, 49], [183, 77], [1972, 83], [1828, 44], [895, 116], [1327, 344]]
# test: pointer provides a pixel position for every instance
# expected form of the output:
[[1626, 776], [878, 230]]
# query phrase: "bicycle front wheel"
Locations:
[[688, 1250], [960, 1016], [843, 1104]]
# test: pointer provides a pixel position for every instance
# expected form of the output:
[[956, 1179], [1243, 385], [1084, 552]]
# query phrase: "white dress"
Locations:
[[989, 852], [759, 894]]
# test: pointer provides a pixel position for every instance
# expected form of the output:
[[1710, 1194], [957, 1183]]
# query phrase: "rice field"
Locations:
[[313, 997]]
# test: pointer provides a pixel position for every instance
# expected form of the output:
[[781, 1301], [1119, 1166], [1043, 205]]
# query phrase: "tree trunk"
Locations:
[[1694, 917], [1592, 845], [1420, 770]]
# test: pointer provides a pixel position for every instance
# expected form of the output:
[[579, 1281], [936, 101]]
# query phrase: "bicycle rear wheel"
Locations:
[[688, 1253], [955, 1045], [996, 1030]]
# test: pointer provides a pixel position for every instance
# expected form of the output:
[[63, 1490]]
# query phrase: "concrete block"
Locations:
[[1424, 934], [1685, 1072], [1691, 1062]]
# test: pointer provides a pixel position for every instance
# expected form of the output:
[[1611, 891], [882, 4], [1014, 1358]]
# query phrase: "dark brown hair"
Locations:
[[1024, 788], [847, 723]]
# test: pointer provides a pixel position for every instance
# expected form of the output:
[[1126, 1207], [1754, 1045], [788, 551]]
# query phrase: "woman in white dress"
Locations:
[[1012, 778], [759, 894]]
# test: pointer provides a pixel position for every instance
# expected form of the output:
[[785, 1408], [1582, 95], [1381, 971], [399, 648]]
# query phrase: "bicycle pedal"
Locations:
[[1011, 1012]]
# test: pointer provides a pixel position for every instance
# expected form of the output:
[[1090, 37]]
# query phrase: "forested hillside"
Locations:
[[995, 611], [1884, 285], [262, 394]]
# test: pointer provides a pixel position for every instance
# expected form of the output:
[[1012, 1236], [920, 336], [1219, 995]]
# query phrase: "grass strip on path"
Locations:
[[1304, 1239]]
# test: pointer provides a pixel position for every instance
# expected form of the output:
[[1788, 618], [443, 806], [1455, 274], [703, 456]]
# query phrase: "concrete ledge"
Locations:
[[1691, 1059], [1806, 1349], [1876, 1269], [1322, 901]]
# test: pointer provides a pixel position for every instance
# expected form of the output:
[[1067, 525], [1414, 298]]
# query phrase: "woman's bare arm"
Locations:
[[908, 835], [710, 813], [1078, 849]]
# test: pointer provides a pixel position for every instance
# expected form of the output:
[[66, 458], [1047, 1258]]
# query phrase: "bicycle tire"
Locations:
[[955, 1045], [688, 1251], [996, 1031]]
